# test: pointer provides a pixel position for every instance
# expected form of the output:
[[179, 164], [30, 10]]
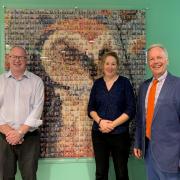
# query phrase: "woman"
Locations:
[[111, 105]]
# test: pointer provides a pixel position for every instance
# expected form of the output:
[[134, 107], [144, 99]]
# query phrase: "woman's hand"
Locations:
[[106, 126]]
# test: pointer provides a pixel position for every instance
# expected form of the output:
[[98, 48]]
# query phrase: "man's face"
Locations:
[[157, 61], [17, 60]]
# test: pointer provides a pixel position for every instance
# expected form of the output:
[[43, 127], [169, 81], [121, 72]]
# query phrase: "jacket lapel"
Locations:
[[164, 91]]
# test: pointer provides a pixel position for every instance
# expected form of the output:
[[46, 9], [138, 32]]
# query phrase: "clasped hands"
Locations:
[[106, 126], [13, 137]]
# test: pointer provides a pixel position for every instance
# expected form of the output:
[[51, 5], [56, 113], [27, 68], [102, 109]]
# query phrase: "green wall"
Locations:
[[163, 26]]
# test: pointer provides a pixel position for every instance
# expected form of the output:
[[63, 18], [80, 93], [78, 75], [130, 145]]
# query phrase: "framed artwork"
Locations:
[[65, 48]]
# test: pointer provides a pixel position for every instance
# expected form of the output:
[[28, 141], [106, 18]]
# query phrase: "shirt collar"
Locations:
[[26, 74], [161, 78]]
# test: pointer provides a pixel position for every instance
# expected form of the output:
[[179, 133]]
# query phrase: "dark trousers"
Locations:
[[26, 154], [118, 146]]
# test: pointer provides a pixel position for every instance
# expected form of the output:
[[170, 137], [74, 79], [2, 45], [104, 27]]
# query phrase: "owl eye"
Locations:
[[71, 55]]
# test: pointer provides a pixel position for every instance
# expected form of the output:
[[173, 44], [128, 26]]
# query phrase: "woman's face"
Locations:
[[110, 67]]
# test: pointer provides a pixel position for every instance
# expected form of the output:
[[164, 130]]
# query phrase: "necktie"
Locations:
[[150, 108]]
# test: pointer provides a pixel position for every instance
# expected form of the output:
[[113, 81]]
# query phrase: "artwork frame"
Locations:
[[58, 40]]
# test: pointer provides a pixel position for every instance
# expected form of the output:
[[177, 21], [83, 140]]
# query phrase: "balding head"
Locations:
[[17, 61]]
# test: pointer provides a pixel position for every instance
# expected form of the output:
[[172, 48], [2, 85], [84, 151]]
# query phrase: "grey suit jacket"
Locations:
[[165, 130]]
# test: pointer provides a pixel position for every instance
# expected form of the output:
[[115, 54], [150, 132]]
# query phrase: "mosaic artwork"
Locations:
[[65, 49]]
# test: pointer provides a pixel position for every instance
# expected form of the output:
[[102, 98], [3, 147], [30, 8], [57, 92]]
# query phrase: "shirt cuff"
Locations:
[[33, 122]]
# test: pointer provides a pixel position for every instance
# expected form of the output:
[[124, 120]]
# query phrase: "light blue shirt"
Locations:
[[21, 101]]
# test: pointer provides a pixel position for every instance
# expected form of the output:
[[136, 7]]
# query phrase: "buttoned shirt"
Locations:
[[21, 101]]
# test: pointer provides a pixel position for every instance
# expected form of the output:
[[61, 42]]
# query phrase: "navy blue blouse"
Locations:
[[111, 104]]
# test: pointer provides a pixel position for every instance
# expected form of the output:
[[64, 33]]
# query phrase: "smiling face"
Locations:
[[17, 60], [110, 66], [157, 61]]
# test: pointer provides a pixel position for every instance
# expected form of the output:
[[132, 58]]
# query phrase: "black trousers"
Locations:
[[116, 145], [26, 154]]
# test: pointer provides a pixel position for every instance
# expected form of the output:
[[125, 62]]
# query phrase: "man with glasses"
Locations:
[[21, 105]]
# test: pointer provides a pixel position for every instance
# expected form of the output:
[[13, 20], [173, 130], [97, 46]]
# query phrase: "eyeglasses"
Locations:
[[21, 58]]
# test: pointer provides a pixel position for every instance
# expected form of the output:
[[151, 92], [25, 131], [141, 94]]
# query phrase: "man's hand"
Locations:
[[137, 153], [13, 137]]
